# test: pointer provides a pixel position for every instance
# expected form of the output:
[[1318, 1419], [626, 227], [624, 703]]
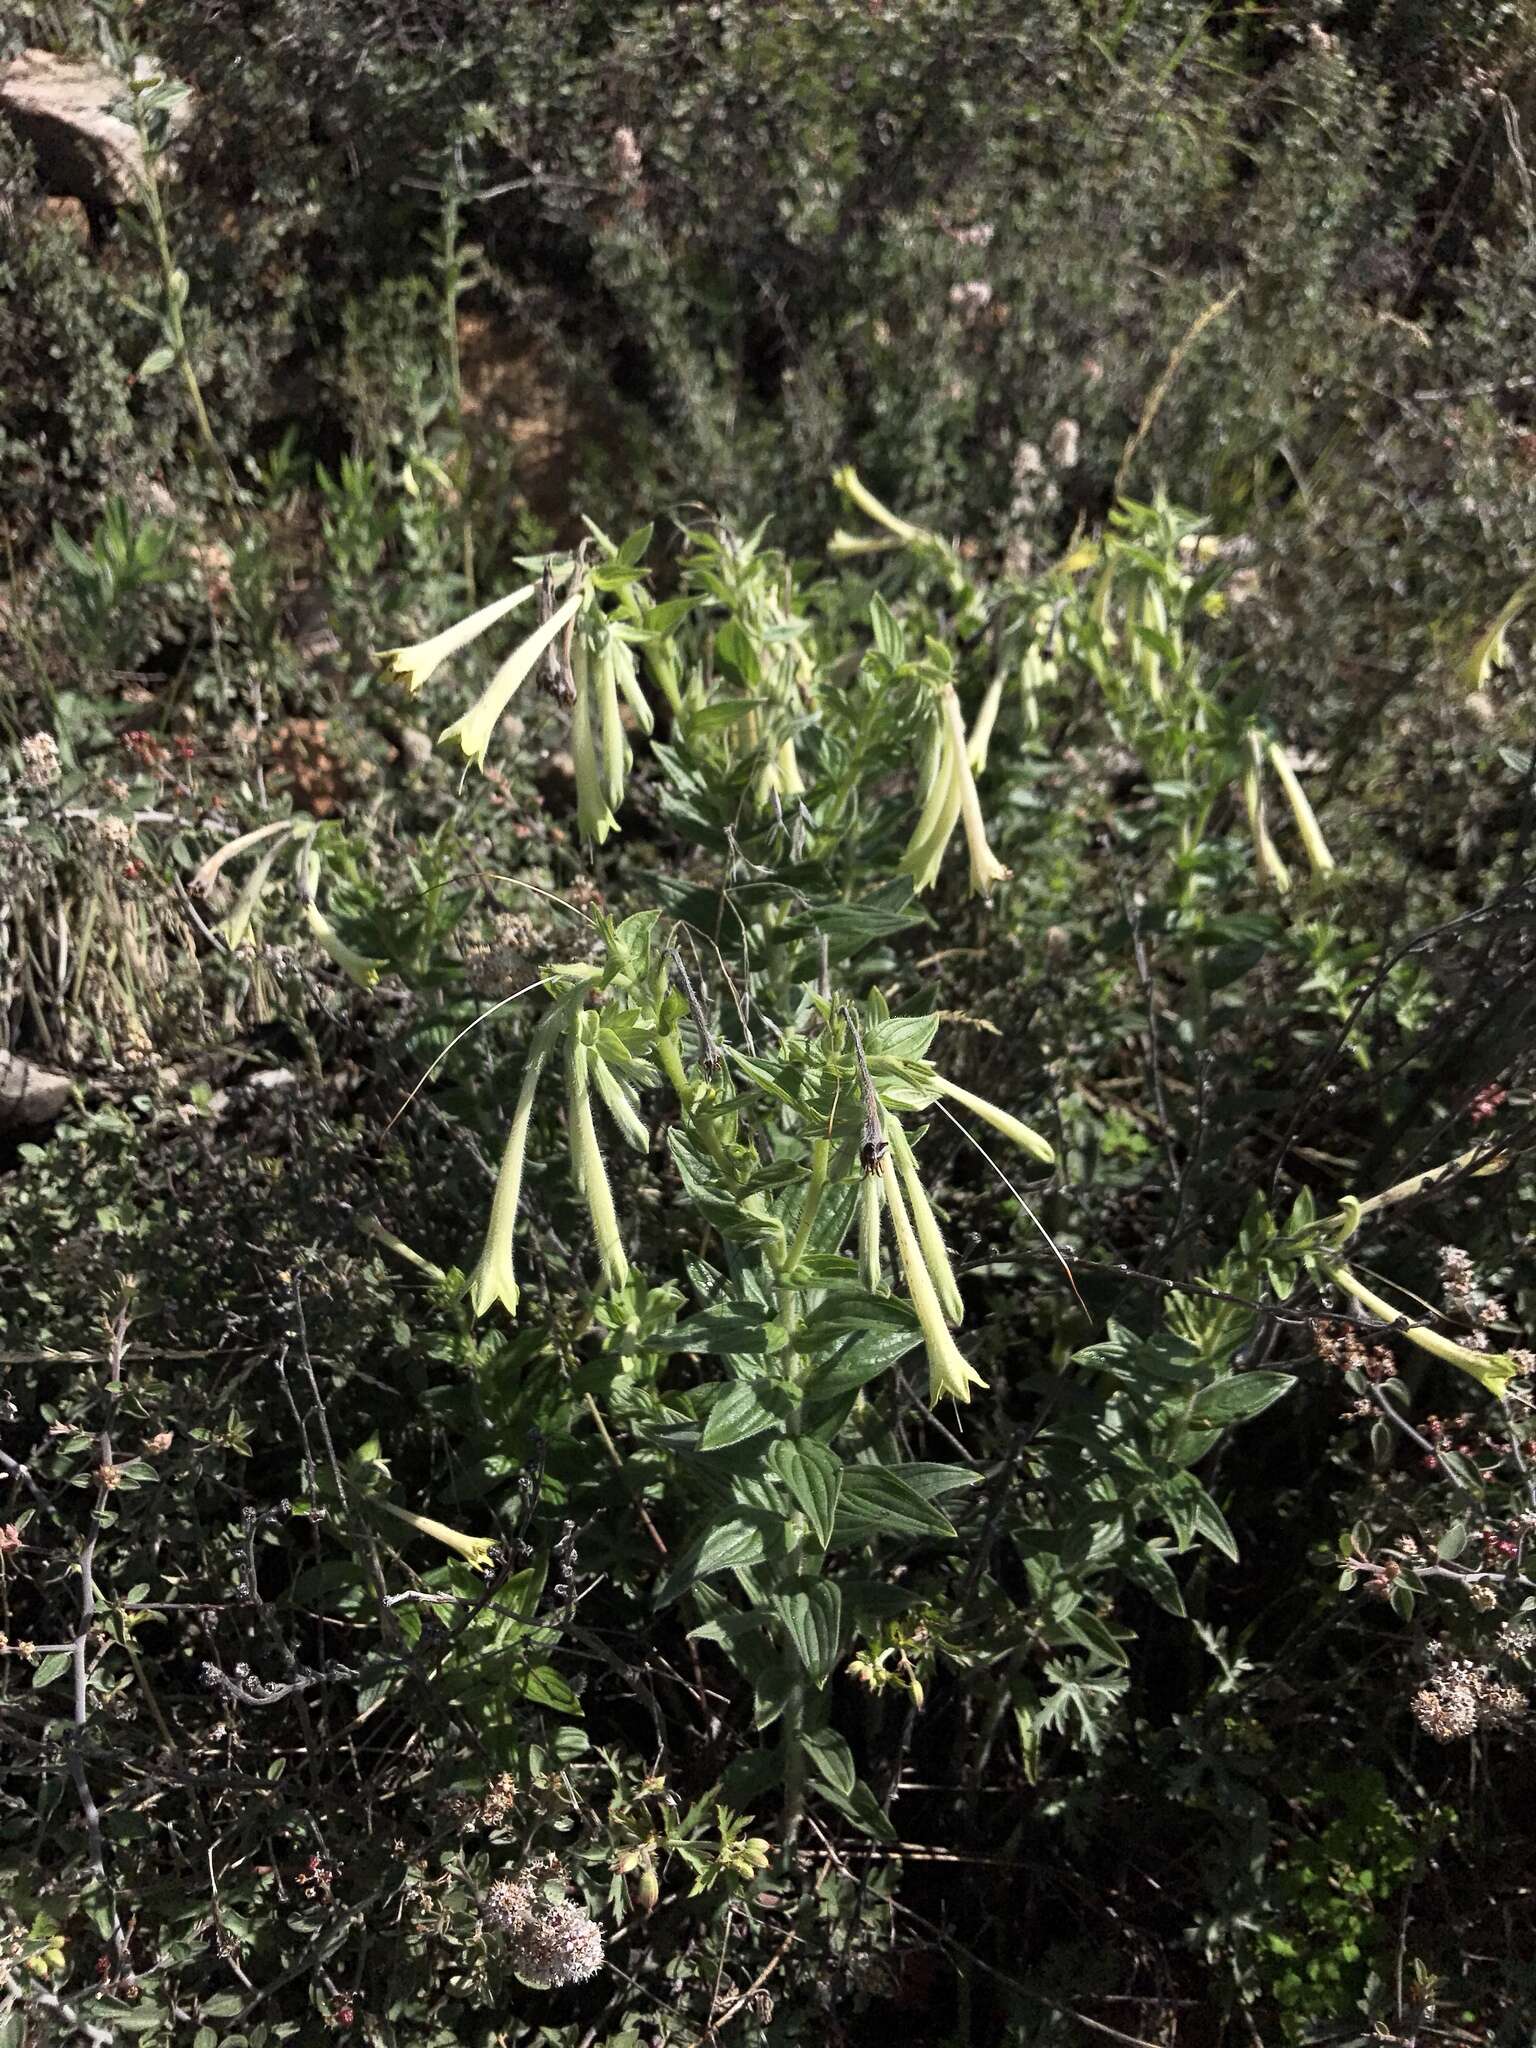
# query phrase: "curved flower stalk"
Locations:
[[475, 730], [417, 665], [952, 797], [949, 1374], [1490, 649]]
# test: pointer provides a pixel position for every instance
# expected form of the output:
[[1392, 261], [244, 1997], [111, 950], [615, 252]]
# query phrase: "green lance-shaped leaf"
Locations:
[[588, 1170], [929, 1235]]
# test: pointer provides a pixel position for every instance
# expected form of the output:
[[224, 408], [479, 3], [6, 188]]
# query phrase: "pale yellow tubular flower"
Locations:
[[981, 732], [1490, 649], [848, 483], [929, 1235], [1491, 1369], [869, 1233], [494, 1278], [948, 1371], [986, 869], [1306, 819], [477, 1551], [628, 678], [476, 729], [1008, 1126], [417, 665], [1149, 663], [1253, 800], [606, 686], [236, 927], [619, 1101], [356, 966], [924, 857], [594, 820], [591, 1176], [791, 781], [299, 828]]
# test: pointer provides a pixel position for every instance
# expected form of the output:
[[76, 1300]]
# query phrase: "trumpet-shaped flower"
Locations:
[[847, 481], [474, 731], [594, 819], [356, 966], [924, 856], [1491, 1369], [416, 666], [1306, 818], [1253, 800], [981, 732], [1008, 1126], [949, 1374], [986, 868], [494, 1278], [929, 1236], [477, 1551], [296, 828], [588, 1170]]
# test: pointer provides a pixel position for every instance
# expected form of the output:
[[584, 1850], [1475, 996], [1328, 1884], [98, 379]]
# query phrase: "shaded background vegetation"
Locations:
[[455, 274]]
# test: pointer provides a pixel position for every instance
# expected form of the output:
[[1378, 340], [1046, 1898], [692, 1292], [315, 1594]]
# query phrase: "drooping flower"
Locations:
[[929, 1236], [416, 665], [869, 1232], [1491, 1369], [477, 1551], [356, 966], [1253, 800], [494, 1278], [594, 819], [949, 1374], [986, 868], [1008, 1126], [588, 1170], [474, 731], [1306, 818]]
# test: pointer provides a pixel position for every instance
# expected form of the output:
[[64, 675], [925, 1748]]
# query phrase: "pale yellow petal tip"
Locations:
[[405, 665], [952, 1380], [492, 1281]]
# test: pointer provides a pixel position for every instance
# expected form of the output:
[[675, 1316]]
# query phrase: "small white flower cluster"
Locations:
[[1463, 1697], [40, 764], [550, 1942]]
